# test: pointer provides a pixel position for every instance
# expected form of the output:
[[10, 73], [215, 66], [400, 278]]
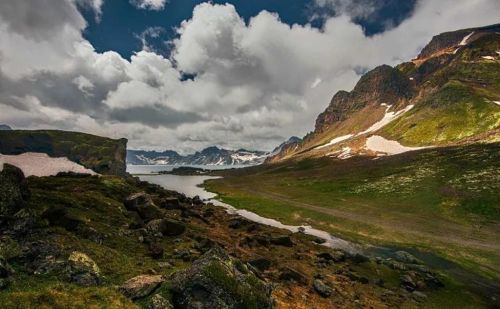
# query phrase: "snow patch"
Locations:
[[379, 144], [496, 102], [388, 118], [40, 164], [465, 39], [335, 141], [488, 57]]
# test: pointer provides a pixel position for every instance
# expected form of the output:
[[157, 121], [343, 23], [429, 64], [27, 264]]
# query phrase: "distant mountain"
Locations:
[[208, 156], [4, 127], [446, 96]]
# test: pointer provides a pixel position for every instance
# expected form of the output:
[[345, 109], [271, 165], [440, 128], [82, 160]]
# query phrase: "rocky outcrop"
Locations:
[[217, 281], [143, 205], [102, 155], [14, 191], [82, 270], [384, 84]]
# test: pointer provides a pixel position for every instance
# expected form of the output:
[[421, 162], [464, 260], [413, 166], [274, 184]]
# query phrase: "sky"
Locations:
[[187, 74]]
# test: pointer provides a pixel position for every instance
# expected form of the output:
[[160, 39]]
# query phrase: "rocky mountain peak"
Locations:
[[384, 84]]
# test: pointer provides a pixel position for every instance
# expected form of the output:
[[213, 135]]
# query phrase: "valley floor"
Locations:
[[444, 201]]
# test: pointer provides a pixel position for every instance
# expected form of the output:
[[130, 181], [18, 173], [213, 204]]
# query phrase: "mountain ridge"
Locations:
[[209, 156], [448, 95]]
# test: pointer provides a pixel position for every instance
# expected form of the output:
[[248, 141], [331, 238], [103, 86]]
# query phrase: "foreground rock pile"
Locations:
[[134, 244]]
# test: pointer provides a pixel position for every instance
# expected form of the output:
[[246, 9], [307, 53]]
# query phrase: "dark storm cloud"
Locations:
[[153, 116]]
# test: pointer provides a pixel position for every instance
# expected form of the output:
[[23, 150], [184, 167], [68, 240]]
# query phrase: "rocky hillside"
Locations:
[[448, 95], [73, 241], [102, 155], [208, 156]]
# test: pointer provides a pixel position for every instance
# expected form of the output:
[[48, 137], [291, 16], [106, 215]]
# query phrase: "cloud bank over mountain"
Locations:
[[226, 82]]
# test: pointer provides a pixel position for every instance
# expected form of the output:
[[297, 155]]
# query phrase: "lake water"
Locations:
[[192, 186]]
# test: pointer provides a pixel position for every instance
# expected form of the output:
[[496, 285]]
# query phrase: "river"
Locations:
[[192, 186]]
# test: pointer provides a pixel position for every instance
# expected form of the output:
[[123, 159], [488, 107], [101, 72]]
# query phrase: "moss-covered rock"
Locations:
[[217, 281], [14, 190]]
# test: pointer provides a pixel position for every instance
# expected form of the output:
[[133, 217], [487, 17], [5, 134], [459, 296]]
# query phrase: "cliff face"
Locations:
[[383, 84], [103, 155]]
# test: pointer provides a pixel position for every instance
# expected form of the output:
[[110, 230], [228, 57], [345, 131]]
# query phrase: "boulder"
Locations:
[[288, 274], [261, 264], [159, 302], [215, 281], [14, 191], [321, 288], [58, 216], [405, 257], [143, 205], [170, 203], [5, 269], [334, 256], [141, 286], [166, 227], [285, 241], [408, 283], [82, 270]]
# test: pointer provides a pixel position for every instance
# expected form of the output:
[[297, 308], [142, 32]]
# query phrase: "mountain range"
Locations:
[[447, 95], [208, 156]]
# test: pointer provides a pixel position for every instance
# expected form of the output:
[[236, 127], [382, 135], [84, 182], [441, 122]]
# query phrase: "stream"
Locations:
[[192, 186]]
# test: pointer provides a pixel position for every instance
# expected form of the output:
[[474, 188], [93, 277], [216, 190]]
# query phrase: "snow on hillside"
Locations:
[[40, 164], [379, 144]]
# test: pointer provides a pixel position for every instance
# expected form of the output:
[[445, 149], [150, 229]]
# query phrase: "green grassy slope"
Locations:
[[445, 200]]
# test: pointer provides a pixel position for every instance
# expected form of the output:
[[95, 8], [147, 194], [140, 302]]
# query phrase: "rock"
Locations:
[[14, 191], [58, 216], [359, 258], [285, 241], [408, 283], [288, 274], [23, 222], [431, 281], [419, 296], [170, 203], [136, 220], [166, 227], [143, 205], [321, 288], [159, 302], [237, 223], [155, 250], [405, 257], [261, 264], [4, 283], [252, 241], [215, 281], [319, 241], [335, 256], [5, 269], [197, 201], [358, 278], [82, 270], [141, 286], [204, 244]]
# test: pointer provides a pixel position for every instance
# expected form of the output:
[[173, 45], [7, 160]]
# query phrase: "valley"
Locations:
[[443, 200]]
